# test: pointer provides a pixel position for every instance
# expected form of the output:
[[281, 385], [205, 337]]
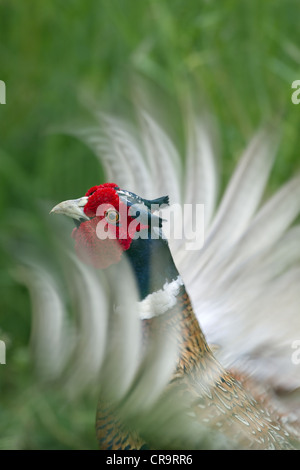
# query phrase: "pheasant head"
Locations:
[[111, 221]]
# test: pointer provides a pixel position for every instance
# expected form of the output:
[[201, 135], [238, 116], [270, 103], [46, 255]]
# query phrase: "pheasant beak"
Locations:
[[72, 208]]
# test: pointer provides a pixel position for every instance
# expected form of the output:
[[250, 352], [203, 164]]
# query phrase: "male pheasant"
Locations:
[[115, 226]]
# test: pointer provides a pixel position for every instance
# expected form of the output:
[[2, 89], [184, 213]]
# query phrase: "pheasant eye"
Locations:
[[112, 216]]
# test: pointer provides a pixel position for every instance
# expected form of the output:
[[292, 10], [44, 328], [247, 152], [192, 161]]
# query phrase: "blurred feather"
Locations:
[[50, 336], [201, 178], [243, 283]]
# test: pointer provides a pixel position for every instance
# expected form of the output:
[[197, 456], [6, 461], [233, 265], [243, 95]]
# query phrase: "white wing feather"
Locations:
[[243, 282]]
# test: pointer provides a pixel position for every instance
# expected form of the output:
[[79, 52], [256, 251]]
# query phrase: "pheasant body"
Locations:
[[215, 397]]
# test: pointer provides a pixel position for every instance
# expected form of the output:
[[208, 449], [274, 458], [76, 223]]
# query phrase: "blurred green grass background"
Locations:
[[237, 58]]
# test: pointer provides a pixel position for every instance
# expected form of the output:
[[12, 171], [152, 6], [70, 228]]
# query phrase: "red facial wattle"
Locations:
[[90, 245]]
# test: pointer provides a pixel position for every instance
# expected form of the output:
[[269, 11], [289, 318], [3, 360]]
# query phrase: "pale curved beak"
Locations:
[[72, 208]]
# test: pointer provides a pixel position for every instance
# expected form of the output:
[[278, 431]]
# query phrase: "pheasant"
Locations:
[[115, 226]]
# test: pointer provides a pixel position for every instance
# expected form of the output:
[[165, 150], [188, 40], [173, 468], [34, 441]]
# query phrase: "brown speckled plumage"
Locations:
[[112, 434], [217, 398]]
